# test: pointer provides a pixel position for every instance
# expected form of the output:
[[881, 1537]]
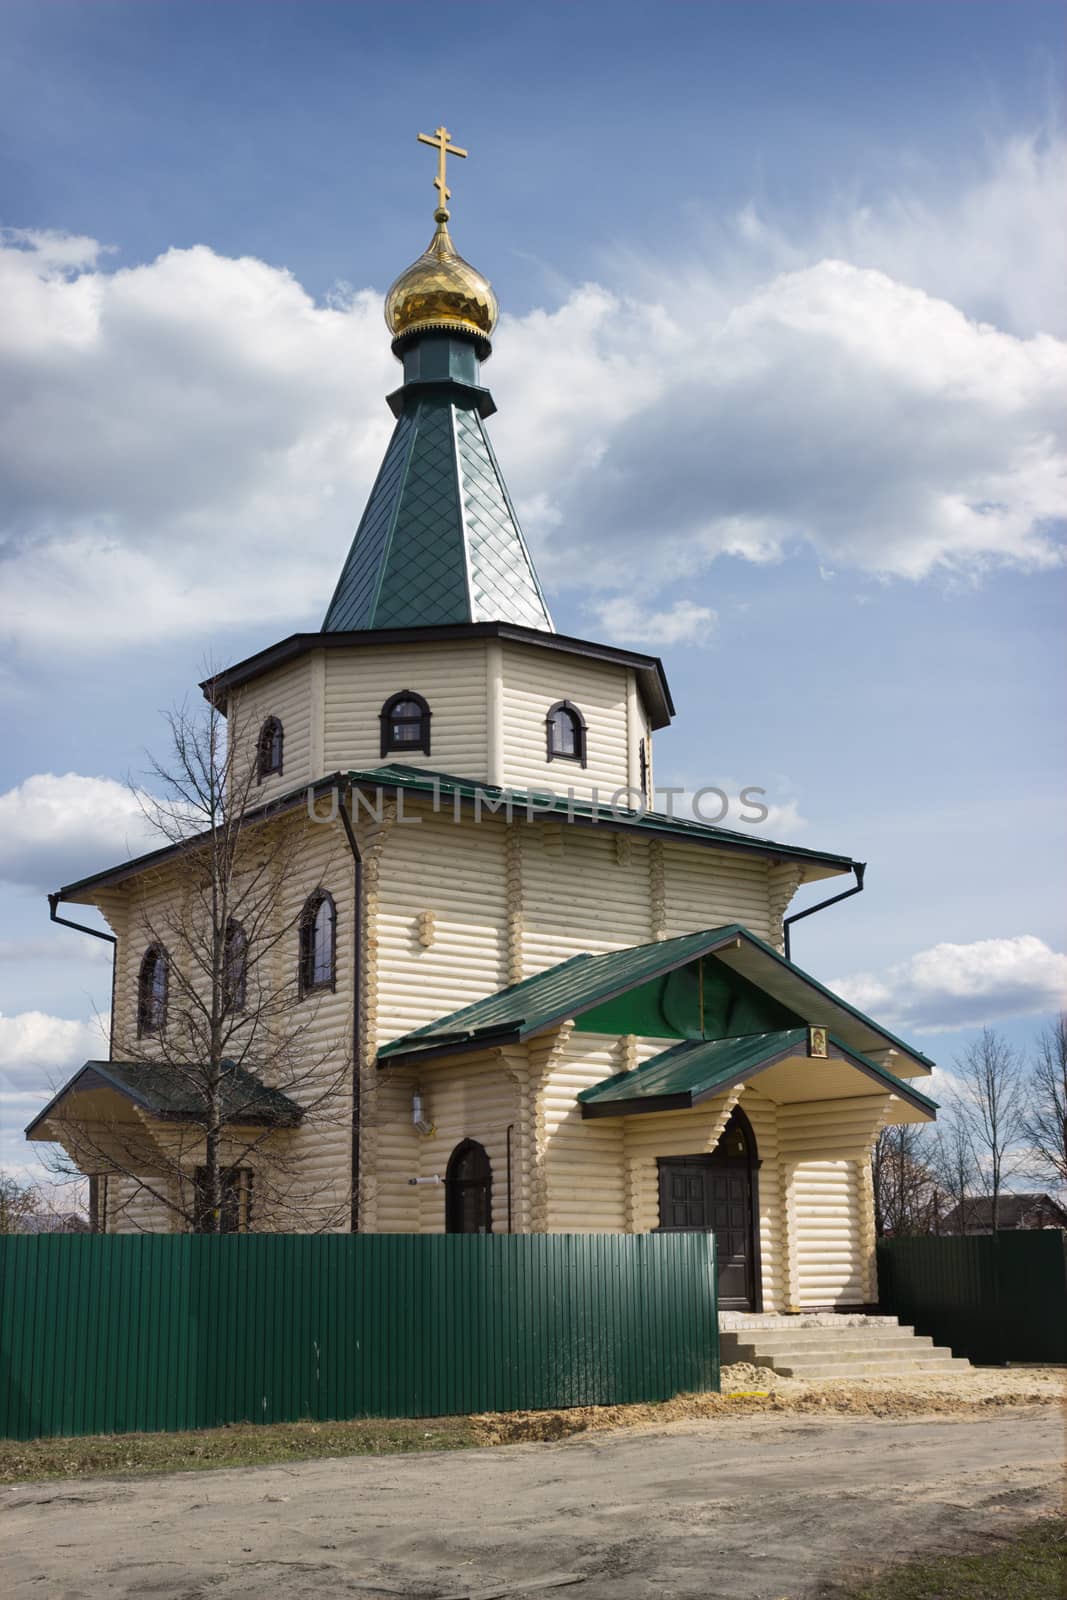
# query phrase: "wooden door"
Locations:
[[717, 1193]]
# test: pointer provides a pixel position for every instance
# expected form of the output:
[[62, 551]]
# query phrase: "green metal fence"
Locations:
[[990, 1297], [151, 1332]]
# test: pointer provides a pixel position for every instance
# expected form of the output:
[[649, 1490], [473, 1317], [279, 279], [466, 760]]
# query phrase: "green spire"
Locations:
[[439, 541]]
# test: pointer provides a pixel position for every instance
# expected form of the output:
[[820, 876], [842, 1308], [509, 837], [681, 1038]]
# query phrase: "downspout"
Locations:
[[357, 923], [80, 927], [859, 868]]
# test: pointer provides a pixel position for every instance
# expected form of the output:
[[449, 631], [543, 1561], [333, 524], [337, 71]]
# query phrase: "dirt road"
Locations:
[[750, 1509]]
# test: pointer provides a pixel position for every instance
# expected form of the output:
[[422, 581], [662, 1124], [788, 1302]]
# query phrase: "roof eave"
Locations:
[[652, 678]]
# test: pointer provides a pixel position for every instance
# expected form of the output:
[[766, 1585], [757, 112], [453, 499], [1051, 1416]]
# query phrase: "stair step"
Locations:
[[825, 1352], [932, 1367], [841, 1341], [772, 1336], [844, 1358]]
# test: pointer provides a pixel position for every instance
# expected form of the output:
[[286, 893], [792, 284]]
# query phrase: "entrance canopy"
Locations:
[[793, 1064], [116, 1091], [721, 985]]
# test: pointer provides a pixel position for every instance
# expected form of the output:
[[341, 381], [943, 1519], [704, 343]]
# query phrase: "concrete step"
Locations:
[[846, 1340], [848, 1359], [932, 1367]]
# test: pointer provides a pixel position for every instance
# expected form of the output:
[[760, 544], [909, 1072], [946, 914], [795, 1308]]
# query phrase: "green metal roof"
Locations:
[[685, 1074], [561, 991], [163, 1093], [576, 987], [445, 785], [439, 541]]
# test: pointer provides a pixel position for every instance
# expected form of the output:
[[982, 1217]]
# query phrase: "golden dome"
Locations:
[[441, 290]]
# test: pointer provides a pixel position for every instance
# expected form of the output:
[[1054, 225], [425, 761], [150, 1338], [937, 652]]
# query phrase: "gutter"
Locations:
[[357, 921], [859, 868], [81, 927]]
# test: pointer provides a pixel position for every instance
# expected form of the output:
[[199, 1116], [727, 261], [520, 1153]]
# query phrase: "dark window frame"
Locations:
[[577, 722], [148, 1022], [236, 1207], [270, 750], [643, 755], [308, 983], [387, 717], [235, 995], [458, 1188]]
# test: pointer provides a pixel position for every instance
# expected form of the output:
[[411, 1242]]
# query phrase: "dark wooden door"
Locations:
[[716, 1193]]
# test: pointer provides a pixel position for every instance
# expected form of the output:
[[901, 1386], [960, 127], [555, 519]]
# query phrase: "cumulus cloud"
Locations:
[[35, 1046], [56, 829], [963, 985], [681, 623], [190, 442]]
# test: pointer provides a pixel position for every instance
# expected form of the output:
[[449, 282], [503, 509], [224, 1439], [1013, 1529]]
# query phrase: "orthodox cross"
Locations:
[[440, 142]]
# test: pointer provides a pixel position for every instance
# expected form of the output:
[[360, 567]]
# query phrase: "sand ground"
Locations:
[[753, 1507]]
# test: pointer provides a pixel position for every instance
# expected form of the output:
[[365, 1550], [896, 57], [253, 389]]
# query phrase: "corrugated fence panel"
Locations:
[[989, 1297], [147, 1332]]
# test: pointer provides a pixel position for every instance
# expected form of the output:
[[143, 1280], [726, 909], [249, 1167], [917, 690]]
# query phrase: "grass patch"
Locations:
[[238, 1445], [1030, 1564]]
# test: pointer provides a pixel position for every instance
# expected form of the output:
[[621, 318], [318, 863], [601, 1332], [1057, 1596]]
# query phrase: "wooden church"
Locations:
[[546, 1005]]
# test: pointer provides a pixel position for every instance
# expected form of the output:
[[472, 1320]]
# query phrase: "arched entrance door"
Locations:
[[717, 1193], [468, 1190]]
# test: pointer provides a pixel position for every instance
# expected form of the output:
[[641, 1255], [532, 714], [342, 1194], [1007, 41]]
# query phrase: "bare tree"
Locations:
[[19, 1204], [990, 1107], [954, 1163], [906, 1196], [224, 1029], [1045, 1117]]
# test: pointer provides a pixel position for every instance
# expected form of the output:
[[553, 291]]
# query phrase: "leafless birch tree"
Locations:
[[227, 1019], [990, 1107]]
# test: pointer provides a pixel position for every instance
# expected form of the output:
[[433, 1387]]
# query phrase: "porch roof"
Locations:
[[767, 989], [161, 1091], [686, 1074]]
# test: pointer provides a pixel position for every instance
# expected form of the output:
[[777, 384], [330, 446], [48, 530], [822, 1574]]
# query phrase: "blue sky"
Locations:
[[781, 378]]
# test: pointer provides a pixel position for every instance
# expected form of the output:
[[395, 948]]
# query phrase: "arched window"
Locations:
[[318, 943], [269, 749], [405, 720], [566, 733], [469, 1190], [235, 967], [152, 991]]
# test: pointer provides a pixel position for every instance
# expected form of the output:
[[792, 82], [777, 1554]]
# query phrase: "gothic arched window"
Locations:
[[318, 943], [235, 966], [405, 719], [269, 749], [469, 1190], [566, 732], [152, 991]]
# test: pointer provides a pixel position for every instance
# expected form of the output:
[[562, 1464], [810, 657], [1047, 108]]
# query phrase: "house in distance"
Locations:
[[512, 995]]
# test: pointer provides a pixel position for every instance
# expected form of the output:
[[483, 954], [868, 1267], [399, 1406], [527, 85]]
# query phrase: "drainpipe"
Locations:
[[859, 868], [80, 927], [357, 917]]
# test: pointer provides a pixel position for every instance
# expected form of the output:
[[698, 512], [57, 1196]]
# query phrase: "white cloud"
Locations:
[[56, 829], [963, 985], [681, 623], [190, 442], [35, 1047]]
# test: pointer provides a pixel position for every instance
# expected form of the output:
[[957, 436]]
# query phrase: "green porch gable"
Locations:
[[722, 983]]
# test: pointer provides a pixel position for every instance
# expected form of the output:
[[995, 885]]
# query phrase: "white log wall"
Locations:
[[286, 694], [450, 677], [533, 680], [825, 1153]]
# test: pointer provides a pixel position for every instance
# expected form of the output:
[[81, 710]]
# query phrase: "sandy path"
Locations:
[[742, 1510]]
